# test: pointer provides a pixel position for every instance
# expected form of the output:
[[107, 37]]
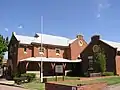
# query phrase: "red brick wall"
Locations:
[[49, 52], [52, 53], [76, 49], [36, 52], [52, 86], [22, 55], [118, 65], [95, 86]]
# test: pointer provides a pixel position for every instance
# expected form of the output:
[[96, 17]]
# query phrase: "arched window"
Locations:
[[41, 50], [57, 51]]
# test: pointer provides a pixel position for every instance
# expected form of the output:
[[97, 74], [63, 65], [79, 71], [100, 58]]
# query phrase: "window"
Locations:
[[90, 64], [41, 50], [57, 51], [25, 50]]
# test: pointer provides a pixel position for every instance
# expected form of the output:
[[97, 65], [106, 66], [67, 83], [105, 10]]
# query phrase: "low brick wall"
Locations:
[[95, 86], [52, 86]]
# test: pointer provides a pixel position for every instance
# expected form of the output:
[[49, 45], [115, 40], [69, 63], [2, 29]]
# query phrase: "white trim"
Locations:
[[41, 53], [25, 52], [57, 54], [44, 59]]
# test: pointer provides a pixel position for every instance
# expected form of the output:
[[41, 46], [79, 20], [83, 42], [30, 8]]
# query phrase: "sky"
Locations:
[[61, 17]]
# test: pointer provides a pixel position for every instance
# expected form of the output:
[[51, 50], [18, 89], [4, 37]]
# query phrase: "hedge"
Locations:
[[107, 74]]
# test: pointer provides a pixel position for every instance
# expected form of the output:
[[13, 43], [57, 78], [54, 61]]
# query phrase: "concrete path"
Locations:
[[113, 87], [5, 87]]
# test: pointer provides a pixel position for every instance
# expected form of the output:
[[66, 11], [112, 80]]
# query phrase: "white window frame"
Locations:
[[56, 51], [40, 52], [25, 51]]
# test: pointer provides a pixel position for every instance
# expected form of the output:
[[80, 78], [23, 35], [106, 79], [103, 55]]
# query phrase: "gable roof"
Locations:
[[112, 44], [71, 41], [52, 40], [23, 39], [46, 39]]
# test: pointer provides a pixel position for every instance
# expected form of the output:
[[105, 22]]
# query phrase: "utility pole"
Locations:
[[41, 72]]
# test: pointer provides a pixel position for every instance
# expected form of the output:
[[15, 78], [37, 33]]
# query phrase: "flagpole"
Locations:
[[41, 48]]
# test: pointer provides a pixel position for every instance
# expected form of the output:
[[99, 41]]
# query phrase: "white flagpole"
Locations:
[[41, 48]]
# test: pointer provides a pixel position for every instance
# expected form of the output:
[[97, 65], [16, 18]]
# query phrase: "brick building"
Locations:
[[111, 50], [23, 48]]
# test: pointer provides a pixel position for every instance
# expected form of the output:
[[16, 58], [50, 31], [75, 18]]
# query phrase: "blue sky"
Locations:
[[62, 17]]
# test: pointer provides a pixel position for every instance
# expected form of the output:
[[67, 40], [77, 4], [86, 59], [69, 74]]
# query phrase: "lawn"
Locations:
[[36, 85]]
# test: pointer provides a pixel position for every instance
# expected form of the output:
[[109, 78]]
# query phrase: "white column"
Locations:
[[41, 72]]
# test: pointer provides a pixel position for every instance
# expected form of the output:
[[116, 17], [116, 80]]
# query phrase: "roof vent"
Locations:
[[14, 33], [79, 36]]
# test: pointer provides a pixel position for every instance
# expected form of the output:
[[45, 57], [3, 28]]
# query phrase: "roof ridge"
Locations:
[[54, 36], [110, 41]]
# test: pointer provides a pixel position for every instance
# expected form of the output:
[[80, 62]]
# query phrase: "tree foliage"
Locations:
[[3, 47], [100, 61]]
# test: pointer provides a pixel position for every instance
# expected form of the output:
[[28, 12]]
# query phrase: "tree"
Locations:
[[3, 47], [100, 61]]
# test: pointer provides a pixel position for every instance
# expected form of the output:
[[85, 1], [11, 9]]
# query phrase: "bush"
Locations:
[[107, 74], [86, 74], [30, 76], [16, 74]]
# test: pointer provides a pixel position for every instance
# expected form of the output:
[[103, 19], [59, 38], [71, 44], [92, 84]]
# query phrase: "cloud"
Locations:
[[102, 5], [6, 29], [20, 26], [98, 15]]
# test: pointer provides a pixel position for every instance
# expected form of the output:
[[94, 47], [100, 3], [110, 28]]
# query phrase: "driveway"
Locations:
[[114, 87], [4, 87]]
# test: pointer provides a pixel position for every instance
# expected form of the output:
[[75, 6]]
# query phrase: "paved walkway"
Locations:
[[5, 87], [114, 87]]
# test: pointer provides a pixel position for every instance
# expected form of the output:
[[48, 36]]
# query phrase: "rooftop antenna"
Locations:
[[41, 71]]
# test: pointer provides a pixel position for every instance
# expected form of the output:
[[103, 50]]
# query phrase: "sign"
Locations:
[[74, 88], [90, 57], [59, 69], [1, 72], [96, 48]]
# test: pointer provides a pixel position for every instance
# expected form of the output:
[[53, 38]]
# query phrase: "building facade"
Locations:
[[111, 51], [23, 47]]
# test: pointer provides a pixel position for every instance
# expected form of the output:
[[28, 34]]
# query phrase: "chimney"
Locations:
[[95, 37], [79, 36], [13, 33]]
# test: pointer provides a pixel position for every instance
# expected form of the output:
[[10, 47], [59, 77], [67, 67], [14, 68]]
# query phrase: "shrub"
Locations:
[[30, 76], [16, 74], [100, 61], [107, 74], [86, 74]]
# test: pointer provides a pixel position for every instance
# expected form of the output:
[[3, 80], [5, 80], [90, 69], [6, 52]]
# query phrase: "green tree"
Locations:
[[3, 47], [100, 61]]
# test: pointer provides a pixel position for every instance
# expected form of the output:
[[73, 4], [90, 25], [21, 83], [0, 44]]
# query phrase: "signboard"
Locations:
[[90, 57], [59, 68], [74, 88], [1, 72]]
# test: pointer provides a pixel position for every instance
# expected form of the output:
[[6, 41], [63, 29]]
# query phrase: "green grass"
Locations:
[[36, 85], [61, 78], [110, 81]]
